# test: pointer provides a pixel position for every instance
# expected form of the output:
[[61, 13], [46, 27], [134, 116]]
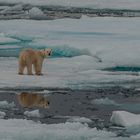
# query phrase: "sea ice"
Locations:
[[36, 13], [34, 113], [79, 119], [7, 40], [119, 4], [77, 51], [104, 101], [128, 120], [6, 105], [15, 129], [124, 118], [2, 114]]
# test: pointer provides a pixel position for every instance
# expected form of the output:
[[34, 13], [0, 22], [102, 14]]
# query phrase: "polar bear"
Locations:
[[26, 99], [30, 57]]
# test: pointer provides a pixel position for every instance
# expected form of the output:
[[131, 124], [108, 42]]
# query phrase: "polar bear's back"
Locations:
[[27, 54]]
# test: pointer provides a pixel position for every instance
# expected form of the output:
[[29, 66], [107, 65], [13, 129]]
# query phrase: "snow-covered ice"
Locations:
[[36, 13], [79, 119], [34, 113], [124, 118], [6, 105], [74, 119], [104, 101], [128, 120], [77, 51], [15, 129], [119, 4], [6, 40], [17, 8]]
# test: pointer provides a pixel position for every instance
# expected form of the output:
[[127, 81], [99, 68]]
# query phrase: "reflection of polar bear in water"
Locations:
[[30, 57], [26, 99]]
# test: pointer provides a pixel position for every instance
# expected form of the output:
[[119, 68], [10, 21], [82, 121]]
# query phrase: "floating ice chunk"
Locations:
[[36, 13], [104, 101], [79, 119], [6, 105], [46, 92], [128, 120], [2, 114], [34, 113], [75, 119], [124, 118], [15, 129]]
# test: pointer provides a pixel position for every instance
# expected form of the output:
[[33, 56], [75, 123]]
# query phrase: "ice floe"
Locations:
[[124, 118], [76, 48], [13, 129], [125, 4], [128, 120], [36, 13], [34, 113], [6, 105], [75, 119], [104, 101], [79, 119]]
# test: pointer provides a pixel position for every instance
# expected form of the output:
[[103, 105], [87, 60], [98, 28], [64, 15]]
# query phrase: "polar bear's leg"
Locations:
[[21, 67], [37, 68], [29, 68]]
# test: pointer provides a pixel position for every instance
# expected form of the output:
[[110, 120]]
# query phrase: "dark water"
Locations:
[[67, 102]]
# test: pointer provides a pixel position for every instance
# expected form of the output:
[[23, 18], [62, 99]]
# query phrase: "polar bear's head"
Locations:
[[46, 52]]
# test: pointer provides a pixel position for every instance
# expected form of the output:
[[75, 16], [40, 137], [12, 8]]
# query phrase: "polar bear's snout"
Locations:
[[50, 52]]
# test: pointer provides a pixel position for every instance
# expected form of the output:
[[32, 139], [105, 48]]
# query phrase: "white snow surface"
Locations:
[[120, 4], [128, 120], [79, 119], [4, 39], [113, 40], [124, 118], [15, 129], [34, 113]]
